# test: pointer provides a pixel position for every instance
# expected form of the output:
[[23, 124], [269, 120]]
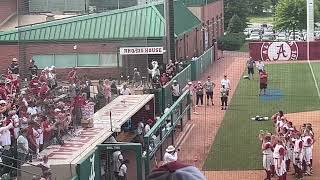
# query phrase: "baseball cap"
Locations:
[[14, 59], [174, 80], [199, 82], [190, 83], [3, 102]]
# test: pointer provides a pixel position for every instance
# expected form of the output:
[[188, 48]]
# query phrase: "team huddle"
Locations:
[[288, 145]]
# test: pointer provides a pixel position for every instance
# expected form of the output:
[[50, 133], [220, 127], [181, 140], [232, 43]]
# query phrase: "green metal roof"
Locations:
[[196, 2], [137, 22], [134, 22], [184, 19]]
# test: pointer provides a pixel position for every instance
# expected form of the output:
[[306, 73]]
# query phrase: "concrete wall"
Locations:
[[282, 51]]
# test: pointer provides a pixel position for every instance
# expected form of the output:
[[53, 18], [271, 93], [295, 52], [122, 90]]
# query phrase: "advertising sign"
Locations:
[[141, 50]]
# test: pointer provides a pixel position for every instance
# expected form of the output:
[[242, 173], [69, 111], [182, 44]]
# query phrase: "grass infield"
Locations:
[[236, 146]]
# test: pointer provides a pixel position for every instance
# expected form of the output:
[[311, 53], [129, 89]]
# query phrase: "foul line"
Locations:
[[311, 69]]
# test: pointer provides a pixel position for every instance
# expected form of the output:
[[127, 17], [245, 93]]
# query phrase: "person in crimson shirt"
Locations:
[[34, 85], [3, 91], [47, 128], [78, 103], [72, 75], [43, 77], [44, 90], [14, 79], [263, 82], [164, 79], [30, 136]]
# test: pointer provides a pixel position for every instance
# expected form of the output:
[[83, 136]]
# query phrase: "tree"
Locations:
[[291, 15], [232, 7], [236, 25], [256, 7]]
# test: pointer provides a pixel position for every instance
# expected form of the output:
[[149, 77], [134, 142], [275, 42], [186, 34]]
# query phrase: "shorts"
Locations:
[[209, 95], [263, 86], [250, 71]]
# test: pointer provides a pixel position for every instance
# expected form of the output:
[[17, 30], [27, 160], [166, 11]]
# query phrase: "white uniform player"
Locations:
[[298, 155], [307, 151], [267, 151], [279, 161]]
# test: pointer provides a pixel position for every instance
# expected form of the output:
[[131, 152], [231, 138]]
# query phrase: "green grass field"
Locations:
[[236, 146]]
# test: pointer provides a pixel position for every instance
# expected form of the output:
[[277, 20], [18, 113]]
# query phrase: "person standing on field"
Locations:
[[250, 65], [267, 151], [192, 91], [209, 86], [260, 66], [224, 97], [199, 93], [263, 82], [226, 83]]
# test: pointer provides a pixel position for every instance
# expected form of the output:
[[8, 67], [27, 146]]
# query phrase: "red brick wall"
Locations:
[[7, 8], [261, 51], [7, 52], [210, 13]]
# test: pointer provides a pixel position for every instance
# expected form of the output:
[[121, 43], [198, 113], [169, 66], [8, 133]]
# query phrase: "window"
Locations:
[[77, 60], [43, 61], [110, 60], [65, 61], [88, 60]]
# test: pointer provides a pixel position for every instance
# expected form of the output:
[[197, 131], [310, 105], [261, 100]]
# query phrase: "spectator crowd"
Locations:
[[39, 112]]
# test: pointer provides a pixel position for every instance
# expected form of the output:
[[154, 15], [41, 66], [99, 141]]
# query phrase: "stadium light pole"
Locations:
[[310, 25]]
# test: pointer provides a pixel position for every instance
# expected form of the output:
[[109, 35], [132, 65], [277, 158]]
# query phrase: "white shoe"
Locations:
[[195, 113]]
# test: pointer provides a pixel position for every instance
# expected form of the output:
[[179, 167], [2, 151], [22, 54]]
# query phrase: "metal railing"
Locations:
[[165, 126], [201, 64]]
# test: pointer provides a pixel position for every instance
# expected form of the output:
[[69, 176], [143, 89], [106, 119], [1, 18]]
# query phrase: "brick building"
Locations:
[[92, 42], [8, 8]]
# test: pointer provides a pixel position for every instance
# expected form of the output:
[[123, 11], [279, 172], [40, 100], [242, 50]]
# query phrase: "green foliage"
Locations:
[[236, 25], [291, 14], [231, 41], [232, 7]]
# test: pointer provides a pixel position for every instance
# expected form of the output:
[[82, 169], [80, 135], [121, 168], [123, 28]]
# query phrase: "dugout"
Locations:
[[68, 160]]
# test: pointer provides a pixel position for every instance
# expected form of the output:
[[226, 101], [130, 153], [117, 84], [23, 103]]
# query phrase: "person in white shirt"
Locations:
[[147, 127], [123, 170], [171, 155], [22, 148], [192, 90], [117, 159], [175, 90], [260, 66], [125, 90], [32, 109], [226, 82]]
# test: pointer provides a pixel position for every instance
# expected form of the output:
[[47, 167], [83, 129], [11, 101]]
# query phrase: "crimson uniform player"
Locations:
[[307, 151], [267, 151], [279, 161]]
